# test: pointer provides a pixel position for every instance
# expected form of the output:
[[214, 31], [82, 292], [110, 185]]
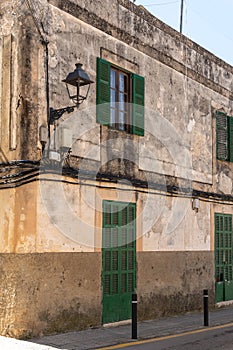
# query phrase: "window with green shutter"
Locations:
[[120, 98], [224, 136]]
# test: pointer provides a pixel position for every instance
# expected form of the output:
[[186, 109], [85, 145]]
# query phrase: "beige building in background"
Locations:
[[134, 195]]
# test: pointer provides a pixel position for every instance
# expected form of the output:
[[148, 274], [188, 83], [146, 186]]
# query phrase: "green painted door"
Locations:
[[118, 260], [223, 257]]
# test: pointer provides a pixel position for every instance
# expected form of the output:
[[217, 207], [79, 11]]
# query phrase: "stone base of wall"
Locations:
[[56, 292], [49, 293], [173, 282]]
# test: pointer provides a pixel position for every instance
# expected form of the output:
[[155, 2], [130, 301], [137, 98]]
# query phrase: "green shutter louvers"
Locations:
[[118, 259], [230, 139], [223, 257], [103, 92], [138, 87], [222, 136]]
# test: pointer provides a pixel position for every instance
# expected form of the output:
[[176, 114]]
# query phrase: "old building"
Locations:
[[130, 190]]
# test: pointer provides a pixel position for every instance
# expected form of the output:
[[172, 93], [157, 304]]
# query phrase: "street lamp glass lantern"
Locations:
[[78, 79]]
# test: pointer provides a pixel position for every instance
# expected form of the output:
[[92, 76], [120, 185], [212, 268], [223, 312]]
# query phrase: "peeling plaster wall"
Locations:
[[140, 29], [179, 227], [185, 84], [68, 223], [21, 85], [170, 93]]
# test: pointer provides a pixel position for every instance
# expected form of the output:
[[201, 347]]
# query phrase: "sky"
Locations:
[[207, 22]]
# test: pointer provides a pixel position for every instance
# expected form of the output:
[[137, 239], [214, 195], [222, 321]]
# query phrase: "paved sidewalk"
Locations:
[[106, 336]]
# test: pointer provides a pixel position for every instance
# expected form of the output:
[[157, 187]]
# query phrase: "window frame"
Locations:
[[136, 119], [127, 122]]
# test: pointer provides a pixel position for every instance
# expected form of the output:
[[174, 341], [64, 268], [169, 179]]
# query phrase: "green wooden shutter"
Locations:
[[230, 139], [118, 259], [222, 136], [138, 104], [103, 92], [223, 257], [223, 247]]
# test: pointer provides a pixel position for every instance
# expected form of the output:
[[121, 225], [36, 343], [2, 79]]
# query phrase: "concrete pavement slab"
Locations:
[[14, 344]]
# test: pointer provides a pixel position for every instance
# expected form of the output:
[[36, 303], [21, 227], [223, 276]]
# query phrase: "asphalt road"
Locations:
[[219, 338]]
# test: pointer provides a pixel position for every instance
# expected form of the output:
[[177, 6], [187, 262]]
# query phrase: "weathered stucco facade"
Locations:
[[52, 223]]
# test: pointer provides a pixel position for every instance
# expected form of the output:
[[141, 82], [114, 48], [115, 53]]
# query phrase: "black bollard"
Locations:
[[134, 316], [206, 307]]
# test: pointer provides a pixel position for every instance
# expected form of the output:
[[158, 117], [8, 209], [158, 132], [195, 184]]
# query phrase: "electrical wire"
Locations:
[[161, 4], [18, 162], [36, 174], [211, 23], [37, 21]]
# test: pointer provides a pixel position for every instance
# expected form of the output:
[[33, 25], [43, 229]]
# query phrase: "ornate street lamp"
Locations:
[[78, 86]]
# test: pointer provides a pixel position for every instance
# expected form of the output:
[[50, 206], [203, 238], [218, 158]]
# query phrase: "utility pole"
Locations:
[[181, 15]]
